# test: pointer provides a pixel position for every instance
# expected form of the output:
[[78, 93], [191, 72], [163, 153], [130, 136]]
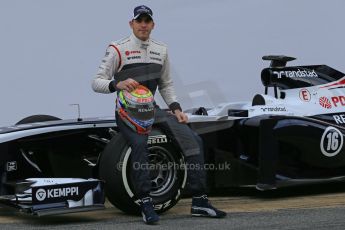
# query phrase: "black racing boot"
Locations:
[[202, 207], [147, 211]]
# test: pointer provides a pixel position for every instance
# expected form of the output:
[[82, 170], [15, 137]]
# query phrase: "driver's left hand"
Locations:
[[181, 116]]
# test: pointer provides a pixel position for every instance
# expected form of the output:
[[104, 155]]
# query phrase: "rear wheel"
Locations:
[[167, 181]]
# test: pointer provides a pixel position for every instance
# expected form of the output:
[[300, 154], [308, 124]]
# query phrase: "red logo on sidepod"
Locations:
[[304, 95], [324, 102], [338, 101]]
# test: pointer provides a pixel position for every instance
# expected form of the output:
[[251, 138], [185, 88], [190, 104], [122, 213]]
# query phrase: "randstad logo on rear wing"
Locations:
[[295, 74]]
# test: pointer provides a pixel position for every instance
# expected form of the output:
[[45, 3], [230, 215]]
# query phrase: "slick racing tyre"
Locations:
[[167, 182], [37, 118]]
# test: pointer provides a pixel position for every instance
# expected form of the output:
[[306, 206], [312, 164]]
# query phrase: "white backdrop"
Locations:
[[50, 50]]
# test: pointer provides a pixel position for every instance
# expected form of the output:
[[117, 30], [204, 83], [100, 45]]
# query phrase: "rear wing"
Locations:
[[291, 77]]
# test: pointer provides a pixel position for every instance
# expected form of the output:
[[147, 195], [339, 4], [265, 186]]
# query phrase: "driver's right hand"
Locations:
[[129, 84]]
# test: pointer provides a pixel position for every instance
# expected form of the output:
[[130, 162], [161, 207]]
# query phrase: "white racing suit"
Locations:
[[147, 62]]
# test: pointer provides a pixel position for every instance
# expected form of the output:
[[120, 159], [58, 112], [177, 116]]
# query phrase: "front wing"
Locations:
[[49, 196]]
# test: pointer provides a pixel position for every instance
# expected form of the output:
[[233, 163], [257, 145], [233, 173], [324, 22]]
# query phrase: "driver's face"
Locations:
[[142, 27]]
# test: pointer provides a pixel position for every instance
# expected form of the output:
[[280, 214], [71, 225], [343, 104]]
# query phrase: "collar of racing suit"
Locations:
[[142, 44]]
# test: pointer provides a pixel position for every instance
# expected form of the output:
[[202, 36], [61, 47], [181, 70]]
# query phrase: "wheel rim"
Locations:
[[164, 173]]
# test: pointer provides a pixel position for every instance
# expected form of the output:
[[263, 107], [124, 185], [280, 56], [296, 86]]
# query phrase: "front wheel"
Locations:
[[168, 176]]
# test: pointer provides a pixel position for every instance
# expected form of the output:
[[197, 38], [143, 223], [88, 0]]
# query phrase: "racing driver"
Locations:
[[140, 60]]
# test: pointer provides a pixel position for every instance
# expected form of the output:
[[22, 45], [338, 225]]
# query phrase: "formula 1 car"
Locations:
[[290, 136]]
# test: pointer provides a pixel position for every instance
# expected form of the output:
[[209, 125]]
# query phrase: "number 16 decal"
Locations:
[[331, 142]]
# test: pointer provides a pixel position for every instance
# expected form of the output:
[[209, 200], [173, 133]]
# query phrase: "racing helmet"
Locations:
[[136, 109]]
